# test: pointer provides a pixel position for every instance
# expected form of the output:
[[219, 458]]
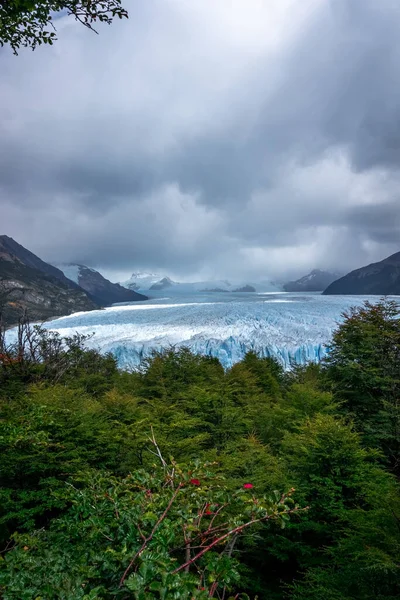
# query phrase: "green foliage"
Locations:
[[80, 491], [363, 367], [142, 534], [29, 23], [363, 564], [45, 438]]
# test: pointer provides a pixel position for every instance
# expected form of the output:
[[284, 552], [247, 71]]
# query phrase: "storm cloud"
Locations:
[[201, 138]]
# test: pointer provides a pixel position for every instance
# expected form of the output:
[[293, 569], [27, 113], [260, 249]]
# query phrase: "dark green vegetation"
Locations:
[[29, 23], [161, 484]]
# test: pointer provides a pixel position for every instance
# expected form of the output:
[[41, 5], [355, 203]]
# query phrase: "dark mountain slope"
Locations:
[[26, 257], [99, 288], [316, 281], [37, 291], [381, 278]]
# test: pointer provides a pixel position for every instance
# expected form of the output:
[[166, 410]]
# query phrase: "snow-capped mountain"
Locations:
[[148, 282], [100, 289], [142, 281]]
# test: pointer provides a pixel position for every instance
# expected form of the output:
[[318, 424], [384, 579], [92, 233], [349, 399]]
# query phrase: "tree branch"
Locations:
[[150, 537], [234, 531]]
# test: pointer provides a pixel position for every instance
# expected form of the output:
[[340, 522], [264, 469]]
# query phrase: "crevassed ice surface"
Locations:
[[294, 328]]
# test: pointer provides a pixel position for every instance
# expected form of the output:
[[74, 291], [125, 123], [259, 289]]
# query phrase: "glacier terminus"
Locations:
[[293, 328]]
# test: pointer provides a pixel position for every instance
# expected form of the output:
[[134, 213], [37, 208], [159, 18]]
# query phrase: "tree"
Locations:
[[29, 23], [38, 354], [346, 546], [363, 366]]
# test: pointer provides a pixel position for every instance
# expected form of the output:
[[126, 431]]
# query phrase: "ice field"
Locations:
[[294, 328]]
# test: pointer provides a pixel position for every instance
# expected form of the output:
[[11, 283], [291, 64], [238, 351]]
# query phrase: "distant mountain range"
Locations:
[[148, 282], [316, 281], [380, 278], [30, 285], [143, 281]]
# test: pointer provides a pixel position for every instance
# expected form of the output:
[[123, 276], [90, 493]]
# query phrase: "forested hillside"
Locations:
[[186, 481]]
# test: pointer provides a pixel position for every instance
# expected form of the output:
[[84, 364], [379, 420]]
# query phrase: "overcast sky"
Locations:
[[208, 138]]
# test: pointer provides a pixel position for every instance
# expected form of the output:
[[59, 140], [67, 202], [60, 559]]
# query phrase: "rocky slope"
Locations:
[[381, 278], [11, 248], [316, 281], [100, 289], [28, 284]]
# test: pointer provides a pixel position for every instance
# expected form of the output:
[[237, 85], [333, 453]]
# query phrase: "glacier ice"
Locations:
[[72, 271], [294, 328]]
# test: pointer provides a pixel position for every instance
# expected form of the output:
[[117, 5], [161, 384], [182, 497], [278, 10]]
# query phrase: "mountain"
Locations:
[[381, 278], [142, 281], [316, 281], [100, 289], [163, 284], [29, 284], [10, 247]]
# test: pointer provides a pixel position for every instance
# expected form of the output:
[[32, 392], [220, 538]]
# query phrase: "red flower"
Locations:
[[248, 486], [195, 482]]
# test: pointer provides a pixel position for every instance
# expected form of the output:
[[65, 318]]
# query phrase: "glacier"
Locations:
[[71, 271], [293, 328]]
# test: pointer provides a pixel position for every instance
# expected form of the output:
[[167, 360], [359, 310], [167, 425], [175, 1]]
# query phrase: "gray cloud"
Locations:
[[229, 139]]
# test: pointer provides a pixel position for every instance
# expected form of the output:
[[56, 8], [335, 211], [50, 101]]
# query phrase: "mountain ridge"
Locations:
[[315, 281], [100, 289], [380, 278], [30, 287]]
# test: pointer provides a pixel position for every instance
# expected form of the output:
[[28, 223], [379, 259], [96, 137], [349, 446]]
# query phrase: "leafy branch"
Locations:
[[29, 23]]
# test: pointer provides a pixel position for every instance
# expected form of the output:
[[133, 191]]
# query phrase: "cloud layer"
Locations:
[[202, 138]]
